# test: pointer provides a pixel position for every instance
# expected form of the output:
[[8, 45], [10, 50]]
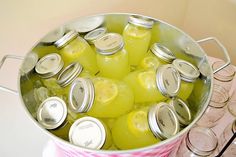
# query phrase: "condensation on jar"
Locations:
[[189, 74], [90, 132], [137, 36], [100, 97], [145, 126], [74, 48], [157, 55], [154, 85], [112, 58]]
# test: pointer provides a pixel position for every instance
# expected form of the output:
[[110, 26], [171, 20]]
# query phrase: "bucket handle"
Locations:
[[3, 88], [224, 50]]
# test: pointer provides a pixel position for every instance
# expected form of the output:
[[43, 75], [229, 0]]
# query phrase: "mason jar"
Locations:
[[157, 55], [90, 132], [52, 115], [145, 126], [183, 112], [199, 142], [92, 36], [112, 58], [189, 74], [151, 85], [137, 36], [225, 76], [74, 48], [227, 134], [216, 108], [100, 97]]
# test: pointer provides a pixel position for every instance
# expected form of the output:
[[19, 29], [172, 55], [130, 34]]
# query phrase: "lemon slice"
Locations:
[[137, 122], [150, 62], [147, 79], [106, 90]]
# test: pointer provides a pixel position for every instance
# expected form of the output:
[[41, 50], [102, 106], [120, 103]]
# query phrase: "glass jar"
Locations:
[[156, 56], [231, 104], [112, 58], [137, 36], [182, 111], [216, 108], [199, 142], [227, 134], [189, 74], [145, 126], [225, 76], [89, 132], [154, 86], [46, 43], [74, 48], [92, 36], [100, 97], [52, 115]]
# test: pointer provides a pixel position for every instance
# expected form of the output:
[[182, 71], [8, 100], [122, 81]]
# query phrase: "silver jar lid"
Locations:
[[163, 121], [182, 111], [168, 80], [49, 65], [52, 113], [92, 36], [69, 74], [141, 21], [109, 43], [188, 71], [87, 132], [87, 24], [162, 52], [29, 63], [68, 37], [53, 36], [81, 95]]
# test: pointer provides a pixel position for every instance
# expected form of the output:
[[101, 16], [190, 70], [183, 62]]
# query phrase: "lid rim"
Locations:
[[162, 52], [141, 21], [66, 39]]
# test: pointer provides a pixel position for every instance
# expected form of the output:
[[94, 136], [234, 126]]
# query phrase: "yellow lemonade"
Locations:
[[112, 58], [112, 98], [137, 39], [101, 97], [156, 56], [185, 90], [77, 50], [132, 130], [143, 84]]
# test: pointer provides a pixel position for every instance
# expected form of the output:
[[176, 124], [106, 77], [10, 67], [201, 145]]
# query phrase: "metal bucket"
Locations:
[[182, 45]]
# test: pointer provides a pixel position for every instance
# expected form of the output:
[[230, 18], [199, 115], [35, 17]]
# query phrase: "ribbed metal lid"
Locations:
[[68, 37], [109, 43], [69, 74], [29, 63], [168, 80], [49, 65], [81, 95], [182, 111], [163, 121], [53, 36], [52, 113], [162, 52], [87, 132], [92, 36], [188, 71], [141, 21], [86, 24]]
